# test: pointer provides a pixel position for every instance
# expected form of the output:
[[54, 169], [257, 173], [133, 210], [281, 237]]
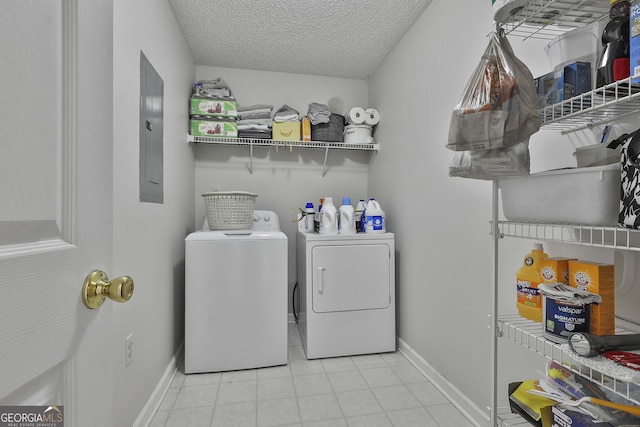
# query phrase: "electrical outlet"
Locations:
[[128, 348]]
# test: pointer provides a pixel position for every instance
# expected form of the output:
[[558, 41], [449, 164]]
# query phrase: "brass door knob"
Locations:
[[97, 287]]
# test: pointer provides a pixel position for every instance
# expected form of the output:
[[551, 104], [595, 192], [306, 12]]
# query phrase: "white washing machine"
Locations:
[[236, 297], [347, 294]]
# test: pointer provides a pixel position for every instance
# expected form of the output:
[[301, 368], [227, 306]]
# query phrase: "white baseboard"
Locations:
[[457, 398], [146, 415]]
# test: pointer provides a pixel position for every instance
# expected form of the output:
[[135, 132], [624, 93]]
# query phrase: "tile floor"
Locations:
[[376, 390]]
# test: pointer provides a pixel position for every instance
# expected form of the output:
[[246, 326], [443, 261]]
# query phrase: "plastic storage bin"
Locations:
[[597, 155], [583, 196]]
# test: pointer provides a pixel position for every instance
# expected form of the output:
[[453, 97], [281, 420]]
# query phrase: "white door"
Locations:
[[55, 205]]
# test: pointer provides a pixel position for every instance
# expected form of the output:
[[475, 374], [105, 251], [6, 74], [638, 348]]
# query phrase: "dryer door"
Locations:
[[351, 277]]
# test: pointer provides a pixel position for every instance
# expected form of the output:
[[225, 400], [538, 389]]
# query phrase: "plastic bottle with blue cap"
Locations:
[[309, 218], [346, 223], [373, 220], [329, 220]]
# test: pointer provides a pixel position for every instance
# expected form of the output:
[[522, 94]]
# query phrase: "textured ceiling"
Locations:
[[335, 38]]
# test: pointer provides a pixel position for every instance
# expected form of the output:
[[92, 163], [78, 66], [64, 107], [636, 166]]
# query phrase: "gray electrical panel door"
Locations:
[[151, 123]]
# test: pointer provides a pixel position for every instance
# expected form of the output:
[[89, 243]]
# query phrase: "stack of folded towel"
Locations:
[[254, 121], [319, 113], [286, 114]]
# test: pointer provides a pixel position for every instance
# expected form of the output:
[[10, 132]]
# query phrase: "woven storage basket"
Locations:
[[227, 210], [329, 132]]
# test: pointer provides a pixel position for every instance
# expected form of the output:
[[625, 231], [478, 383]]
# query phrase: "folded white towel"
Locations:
[[255, 121], [289, 118], [253, 127], [255, 107]]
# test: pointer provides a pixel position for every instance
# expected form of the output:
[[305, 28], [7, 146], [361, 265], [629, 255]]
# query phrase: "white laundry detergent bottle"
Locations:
[[329, 221], [373, 218], [310, 217], [346, 223]]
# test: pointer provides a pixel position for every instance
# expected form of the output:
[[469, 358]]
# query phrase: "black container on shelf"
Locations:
[[614, 62], [329, 132]]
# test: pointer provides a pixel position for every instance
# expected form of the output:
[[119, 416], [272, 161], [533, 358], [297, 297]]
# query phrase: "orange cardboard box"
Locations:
[[555, 270], [598, 279]]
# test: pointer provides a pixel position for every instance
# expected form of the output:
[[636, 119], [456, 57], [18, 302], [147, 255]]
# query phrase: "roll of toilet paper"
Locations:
[[505, 11], [355, 116], [371, 117]]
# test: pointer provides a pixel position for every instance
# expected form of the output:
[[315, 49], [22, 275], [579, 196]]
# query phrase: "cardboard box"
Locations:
[[559, 85], [547, 85], [202, 106], [213, 127], [576, 80], [288, 131], [598, 279], [634, 41], [306, 129], [555, 270]]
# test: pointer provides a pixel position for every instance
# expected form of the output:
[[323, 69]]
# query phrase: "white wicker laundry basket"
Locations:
[[227, 210]]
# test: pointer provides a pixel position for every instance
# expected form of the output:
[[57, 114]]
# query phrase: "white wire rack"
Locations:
[[529, 335], [508, 419], [592, 108], [600, 236], [547, 19], [289, 145], [284, 144]]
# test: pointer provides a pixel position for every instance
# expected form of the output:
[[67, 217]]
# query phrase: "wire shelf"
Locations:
[[547, 19], [599, 236], [285, 144], [598, 106], [257, 142], [529, 335], [506, 418]]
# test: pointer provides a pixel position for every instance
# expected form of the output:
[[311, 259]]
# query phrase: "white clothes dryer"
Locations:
[[347, 294], [236, 297]]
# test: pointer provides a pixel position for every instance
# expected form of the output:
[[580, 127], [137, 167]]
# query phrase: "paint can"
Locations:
[[561, 318]]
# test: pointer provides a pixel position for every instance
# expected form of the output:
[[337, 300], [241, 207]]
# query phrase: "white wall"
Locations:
[[283, 179], [148, 237], [441, 224]]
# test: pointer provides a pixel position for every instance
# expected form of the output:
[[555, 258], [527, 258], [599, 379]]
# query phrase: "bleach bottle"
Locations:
[[528, 277], [373, 218], [329, 220], [347, 222]]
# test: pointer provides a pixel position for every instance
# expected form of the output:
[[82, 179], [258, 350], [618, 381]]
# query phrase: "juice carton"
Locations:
[[555, 270], [598, 279]]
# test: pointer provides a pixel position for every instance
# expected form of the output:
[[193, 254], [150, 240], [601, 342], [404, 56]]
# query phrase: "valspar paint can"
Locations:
[[561, 318]]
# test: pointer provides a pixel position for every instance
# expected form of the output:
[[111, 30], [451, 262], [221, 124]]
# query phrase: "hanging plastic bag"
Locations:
[[499, 106], [492, 164]]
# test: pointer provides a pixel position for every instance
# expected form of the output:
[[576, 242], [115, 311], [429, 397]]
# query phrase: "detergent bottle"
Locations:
[[318, 217], [360, 207], [373, 218], [347, 223], [329, 221], [309, 218], [527, 278]]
